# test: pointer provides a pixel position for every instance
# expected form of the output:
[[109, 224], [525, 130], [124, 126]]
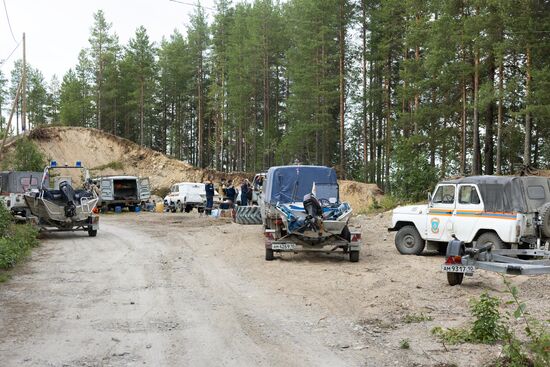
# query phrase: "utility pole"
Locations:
[[24, 88]]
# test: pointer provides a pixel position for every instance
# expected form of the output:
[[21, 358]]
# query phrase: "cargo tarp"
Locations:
[[509, 193], [287, 184]]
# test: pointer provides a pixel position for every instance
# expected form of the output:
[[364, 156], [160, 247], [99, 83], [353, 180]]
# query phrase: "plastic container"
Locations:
[[118, 209], [137, 209], [159, 208]]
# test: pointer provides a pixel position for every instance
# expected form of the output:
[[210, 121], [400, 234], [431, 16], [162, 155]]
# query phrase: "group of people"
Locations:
[[229, 194]]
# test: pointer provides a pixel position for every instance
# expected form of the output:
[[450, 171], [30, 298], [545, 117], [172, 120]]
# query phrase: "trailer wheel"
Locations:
[[92, 232], [354, 256], [455, 278], [269, 254], [490, 238], [408, 241]]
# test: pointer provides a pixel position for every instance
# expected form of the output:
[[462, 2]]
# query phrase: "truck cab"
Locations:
[[508, 212]]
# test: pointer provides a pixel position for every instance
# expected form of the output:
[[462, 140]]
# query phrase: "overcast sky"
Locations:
[[56, 30]]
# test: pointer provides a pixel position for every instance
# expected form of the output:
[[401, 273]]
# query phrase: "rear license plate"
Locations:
[[458, 268], [283, 246]]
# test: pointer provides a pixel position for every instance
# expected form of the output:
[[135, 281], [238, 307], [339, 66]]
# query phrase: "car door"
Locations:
[[144, 188], [469, 208], [107, 192], [440, 212]]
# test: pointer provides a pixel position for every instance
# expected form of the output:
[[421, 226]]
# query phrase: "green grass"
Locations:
[[416, 318], [4, 277], [115, 165], [405, 344]]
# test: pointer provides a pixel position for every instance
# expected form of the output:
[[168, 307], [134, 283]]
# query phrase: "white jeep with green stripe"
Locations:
[[505, 211]]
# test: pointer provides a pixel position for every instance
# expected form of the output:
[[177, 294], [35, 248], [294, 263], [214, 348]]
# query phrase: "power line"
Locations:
[[9, 24], [10, 55]]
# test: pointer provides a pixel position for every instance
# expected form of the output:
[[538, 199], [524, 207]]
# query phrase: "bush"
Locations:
[[490, 327], [26, 157], [16, 239]]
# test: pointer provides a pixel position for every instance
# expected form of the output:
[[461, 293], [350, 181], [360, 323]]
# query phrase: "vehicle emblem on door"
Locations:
[[435, 225]]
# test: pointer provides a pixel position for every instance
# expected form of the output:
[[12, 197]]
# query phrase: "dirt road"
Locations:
[[179, 290]]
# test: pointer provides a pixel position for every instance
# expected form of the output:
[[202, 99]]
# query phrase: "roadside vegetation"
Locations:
[[25, 157], [491, 326], [16, 241], [114, 165]]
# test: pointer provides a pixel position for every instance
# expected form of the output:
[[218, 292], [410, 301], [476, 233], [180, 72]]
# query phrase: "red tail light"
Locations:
[[269, 235], [454, 260], [355, 237]]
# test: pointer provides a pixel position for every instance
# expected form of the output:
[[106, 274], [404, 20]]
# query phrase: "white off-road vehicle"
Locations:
[[506, 212]]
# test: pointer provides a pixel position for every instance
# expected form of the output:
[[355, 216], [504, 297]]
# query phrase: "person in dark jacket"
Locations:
[[231, 192], [209, 188], [245, 188]]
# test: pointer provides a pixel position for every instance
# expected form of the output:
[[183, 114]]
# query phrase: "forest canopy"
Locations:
[[384, 91]]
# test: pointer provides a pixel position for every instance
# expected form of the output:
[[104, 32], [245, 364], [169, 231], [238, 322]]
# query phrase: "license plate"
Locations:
[[283, 246], [458, 268]]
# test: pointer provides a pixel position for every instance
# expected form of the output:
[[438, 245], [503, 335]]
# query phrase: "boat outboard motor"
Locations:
[[68, 192], [314, 211]]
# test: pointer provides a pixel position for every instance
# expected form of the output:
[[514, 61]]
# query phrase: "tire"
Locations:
[[248, 215], [408, 241], [354, 256], [490, 238], [187, 208], [544, 212], [455, 278], [92, 232], [131, 208], [269, 254]]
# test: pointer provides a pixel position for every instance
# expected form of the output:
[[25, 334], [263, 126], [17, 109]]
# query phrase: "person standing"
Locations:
[[245, 187], [230, 192], [209, 188]]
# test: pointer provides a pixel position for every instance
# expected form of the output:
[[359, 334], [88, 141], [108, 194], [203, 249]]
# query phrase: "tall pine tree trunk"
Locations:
[[342, 40], [141, 97], [364, 98], [488, 145], [527, 142], [500, 116], [476, 166]]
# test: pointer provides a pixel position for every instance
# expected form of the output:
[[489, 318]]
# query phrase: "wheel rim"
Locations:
[[408, 241]]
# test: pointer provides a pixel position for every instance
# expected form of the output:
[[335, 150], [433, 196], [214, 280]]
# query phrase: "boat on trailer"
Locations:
[[64, 208]]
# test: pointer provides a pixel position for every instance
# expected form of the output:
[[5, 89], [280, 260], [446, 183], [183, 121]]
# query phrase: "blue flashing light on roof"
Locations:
[[53, 164], [78, 163]]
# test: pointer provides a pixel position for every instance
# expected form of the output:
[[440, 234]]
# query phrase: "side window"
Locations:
[[175, 188], [536, 192], [468, 195], [445, 194]]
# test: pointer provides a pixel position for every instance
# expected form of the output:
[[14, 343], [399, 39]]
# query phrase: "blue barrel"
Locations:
[[118, 209], [137, 209]]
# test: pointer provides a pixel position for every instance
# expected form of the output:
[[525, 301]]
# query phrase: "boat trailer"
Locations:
[[462, 261]]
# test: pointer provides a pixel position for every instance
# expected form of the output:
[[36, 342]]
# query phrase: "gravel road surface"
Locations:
[[183, 290]]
